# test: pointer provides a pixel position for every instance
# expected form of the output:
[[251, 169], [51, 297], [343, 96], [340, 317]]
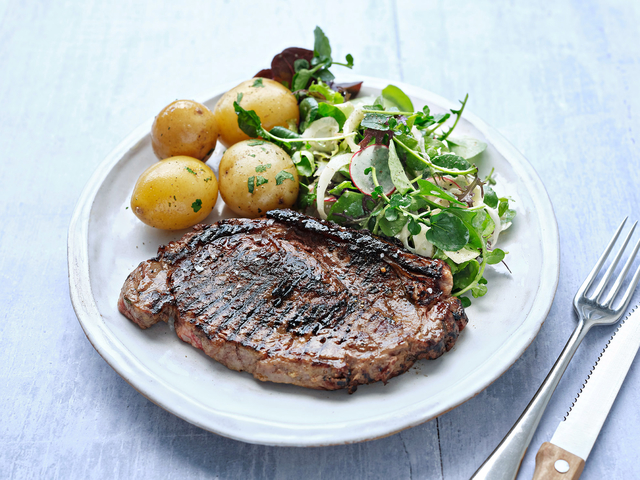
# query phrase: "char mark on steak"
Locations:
[[294, 299]]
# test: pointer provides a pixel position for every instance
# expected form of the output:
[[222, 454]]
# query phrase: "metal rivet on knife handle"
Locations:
[[551, 459]]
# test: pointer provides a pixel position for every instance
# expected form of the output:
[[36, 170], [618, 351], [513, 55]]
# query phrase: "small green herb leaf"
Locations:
[[260, 180], [197, 205], [282, 176], [239, 97], [251, 183], [263, 168], [190, 171], [257, 83]]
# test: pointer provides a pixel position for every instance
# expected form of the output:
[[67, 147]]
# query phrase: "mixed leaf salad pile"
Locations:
[[380, 164]]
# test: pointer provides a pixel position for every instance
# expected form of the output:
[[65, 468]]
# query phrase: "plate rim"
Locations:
[[134, 372]]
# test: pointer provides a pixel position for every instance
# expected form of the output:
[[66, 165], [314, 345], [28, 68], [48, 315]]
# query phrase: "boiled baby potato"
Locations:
[[272, 102], [184, 127], [175, 193], [257, 176]]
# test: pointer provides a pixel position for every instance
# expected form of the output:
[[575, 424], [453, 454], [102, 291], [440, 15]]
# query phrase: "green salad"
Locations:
[[378, 163]]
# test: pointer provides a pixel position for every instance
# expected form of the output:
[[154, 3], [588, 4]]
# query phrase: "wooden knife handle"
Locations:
[[547, 469]]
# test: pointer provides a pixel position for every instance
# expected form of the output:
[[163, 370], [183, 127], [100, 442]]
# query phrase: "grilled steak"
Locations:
[[293, 299]]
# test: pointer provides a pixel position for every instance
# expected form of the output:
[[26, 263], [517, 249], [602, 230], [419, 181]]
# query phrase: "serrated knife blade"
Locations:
[[574, 438]]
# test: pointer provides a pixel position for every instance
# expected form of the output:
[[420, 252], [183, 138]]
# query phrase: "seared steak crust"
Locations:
[[293, 299]]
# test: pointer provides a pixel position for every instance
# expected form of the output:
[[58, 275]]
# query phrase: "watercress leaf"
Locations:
[[321, 45], [508, 216], [394, 97], [478, 290], [391, 214], [349, 59], [399, 201], [392, 227], [465, 301], [430, 142], [451, 162], [300, 64], [414, 227], [248, 121], [447, 232], [301, 79], [466, 274], [398, 175], [285, 133], [308, 112], [465, 146], [503, 207], [337, 190], [304, 163], [325, 75], [282, 176], [326, 110], [347, 207], [377, 192], [429, 189], [490, 197], [375, 121], [495, 256], [376, 106], [408, 140], [306, 198]]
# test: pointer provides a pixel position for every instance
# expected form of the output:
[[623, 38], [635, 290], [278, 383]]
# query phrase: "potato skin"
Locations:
[[273, 103], [184, 127], [241, 165], [175, 193]]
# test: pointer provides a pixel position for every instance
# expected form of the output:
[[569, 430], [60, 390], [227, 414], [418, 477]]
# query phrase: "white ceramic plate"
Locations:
[[106, 242]]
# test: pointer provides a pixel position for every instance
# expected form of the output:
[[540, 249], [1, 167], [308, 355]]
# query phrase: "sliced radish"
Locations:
[[375, 156]]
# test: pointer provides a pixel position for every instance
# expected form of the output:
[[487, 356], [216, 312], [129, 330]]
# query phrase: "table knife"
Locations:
[[564, 456]]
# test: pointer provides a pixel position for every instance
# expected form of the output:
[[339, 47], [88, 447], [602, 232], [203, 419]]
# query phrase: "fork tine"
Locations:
[[605, 279], [622, 276], [630, 289], [592, 276]]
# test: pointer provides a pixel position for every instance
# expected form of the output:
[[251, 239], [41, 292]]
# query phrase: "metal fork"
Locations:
[[504, 462]]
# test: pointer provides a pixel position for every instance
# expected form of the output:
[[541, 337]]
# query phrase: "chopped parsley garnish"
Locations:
[[253, 143], [257, 83], [251, 183], [207, 179], [239, 97], [190, 171], [260, 180], [197, 205], [263, 168], [282, 176]]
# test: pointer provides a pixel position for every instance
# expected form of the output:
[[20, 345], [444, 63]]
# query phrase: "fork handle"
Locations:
[[504, 462]]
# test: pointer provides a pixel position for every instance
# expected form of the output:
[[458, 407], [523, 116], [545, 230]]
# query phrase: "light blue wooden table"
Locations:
[[559, 79]]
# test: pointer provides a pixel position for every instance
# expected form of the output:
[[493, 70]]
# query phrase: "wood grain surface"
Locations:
[[558, 79]]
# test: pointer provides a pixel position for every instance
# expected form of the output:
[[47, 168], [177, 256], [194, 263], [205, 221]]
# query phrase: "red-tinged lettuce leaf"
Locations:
[[353, 89], [282, 64], [264, 73]]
